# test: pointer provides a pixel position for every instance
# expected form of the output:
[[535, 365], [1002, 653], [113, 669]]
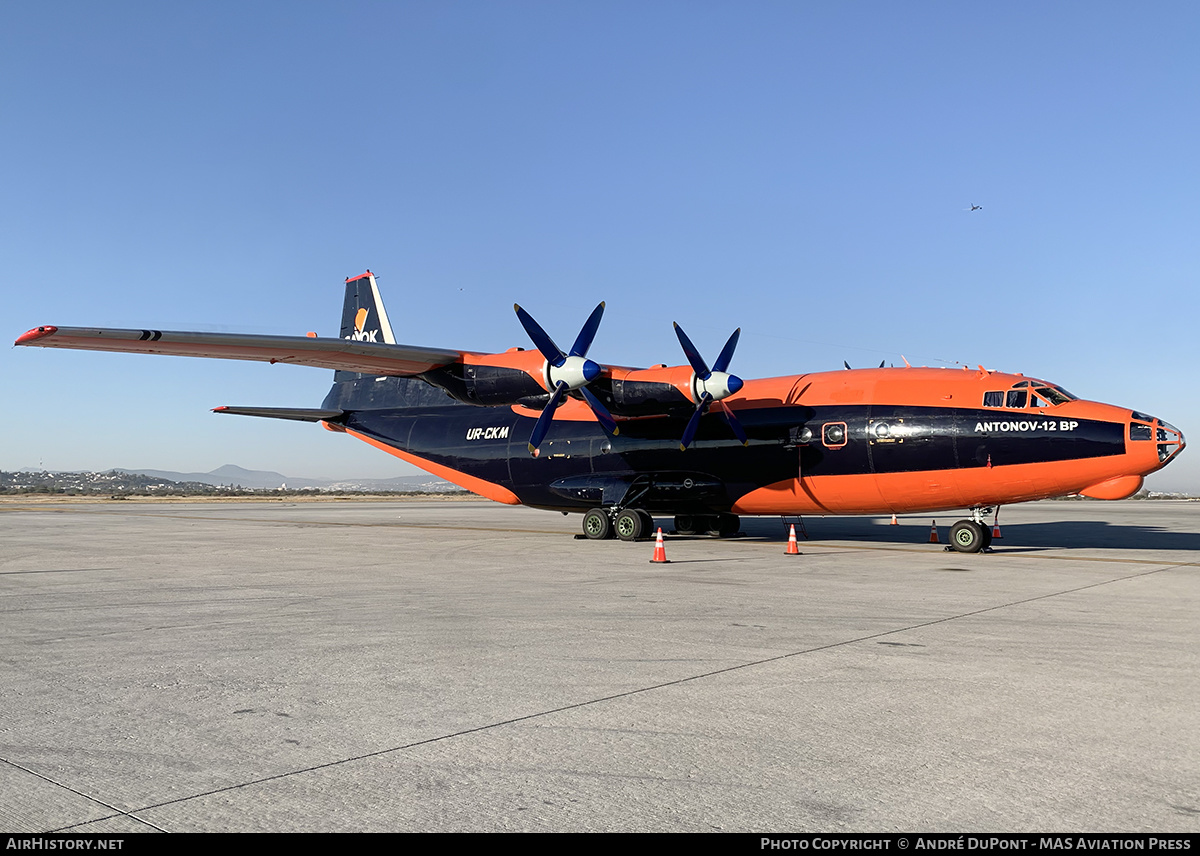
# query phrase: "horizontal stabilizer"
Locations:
[[374, 358], [296, 414]]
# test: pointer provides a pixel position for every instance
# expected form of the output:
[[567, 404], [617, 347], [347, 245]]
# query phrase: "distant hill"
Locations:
[[231, 474]]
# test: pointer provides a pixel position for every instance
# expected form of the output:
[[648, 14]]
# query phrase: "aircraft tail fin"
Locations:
[[364, 320], [363, 317]]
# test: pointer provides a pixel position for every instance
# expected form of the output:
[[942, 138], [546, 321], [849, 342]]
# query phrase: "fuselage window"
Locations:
[[993, 399], [834, 434]]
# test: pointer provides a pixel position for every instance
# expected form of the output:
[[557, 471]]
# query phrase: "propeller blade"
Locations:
[[738, 431], [689, 433], [602, 414], [722, 363], [584, 340], [541, 340], [543, 423], [694, 358], [711, 385]]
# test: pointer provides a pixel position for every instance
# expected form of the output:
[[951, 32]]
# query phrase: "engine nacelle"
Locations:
[[489, 386]]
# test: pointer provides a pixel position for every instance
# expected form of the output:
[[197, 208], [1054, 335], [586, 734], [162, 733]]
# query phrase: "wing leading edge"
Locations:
[[339, 354]]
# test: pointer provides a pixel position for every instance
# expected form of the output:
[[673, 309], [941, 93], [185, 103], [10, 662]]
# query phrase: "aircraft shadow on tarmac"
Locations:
[[1059, 533]]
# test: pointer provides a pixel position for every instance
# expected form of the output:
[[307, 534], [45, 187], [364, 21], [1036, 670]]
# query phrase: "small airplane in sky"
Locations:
[[975, 207], [556, 430]]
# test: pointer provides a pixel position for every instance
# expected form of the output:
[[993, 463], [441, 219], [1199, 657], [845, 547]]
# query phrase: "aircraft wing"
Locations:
[[344, 354]]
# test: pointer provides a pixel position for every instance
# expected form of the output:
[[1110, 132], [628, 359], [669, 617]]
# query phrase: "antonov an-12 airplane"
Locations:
[[555, 430]]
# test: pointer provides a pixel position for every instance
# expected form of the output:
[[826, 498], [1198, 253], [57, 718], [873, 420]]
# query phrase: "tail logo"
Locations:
[[359, 334]]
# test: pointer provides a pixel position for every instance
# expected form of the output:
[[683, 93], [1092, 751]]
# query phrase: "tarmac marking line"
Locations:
[[88, 797], [613, 697]]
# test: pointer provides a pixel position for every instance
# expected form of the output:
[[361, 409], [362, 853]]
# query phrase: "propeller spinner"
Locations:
[[709, 386], [566, 372]]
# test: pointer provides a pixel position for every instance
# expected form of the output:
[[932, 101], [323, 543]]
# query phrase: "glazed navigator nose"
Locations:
[[1170, 440]]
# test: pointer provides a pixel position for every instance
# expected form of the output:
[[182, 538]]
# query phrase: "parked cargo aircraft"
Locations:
[[556, 430]]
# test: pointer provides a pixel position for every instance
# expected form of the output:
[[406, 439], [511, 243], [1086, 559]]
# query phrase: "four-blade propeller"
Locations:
[[709, 386], [573, 371], [566, 372]]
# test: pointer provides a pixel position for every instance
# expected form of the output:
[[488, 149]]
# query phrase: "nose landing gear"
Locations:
[[971, 536]]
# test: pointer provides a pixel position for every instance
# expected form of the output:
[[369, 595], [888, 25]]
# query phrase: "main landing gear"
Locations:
[[636, 524], [724, 525], [628, 524], [971, 536]]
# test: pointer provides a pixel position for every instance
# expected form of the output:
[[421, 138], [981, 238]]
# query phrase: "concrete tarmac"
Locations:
[[437, 666]]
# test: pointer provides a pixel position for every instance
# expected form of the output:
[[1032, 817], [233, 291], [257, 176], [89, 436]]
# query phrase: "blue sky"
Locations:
[[801, 170]]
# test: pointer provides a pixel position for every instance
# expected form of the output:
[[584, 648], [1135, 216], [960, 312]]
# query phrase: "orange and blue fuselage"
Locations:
[[847, 442]]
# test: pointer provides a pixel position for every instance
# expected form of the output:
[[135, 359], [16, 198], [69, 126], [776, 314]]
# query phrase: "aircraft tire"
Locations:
[[967, 536], [596, 525], [630, 525], [728, 524], [686, 524], [648, 519]]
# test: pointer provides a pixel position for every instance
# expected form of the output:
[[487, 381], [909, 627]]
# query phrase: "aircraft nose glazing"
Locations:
[[1170, 440]]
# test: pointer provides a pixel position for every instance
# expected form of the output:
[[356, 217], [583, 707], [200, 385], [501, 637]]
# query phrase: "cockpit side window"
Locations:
[[1016, 398], [993, 399], [1054, 396]]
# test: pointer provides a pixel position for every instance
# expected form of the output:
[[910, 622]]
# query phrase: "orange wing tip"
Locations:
[[219, 409], [35, 334]]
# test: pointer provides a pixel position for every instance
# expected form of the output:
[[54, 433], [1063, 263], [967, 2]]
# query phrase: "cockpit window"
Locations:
[[1054, 396], [1028, 393], [1140, 432]]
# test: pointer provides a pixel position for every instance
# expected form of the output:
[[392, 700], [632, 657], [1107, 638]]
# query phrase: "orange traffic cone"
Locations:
[[933, 536], [895, 522], [792, 549], [996, 526], [660, 552]]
